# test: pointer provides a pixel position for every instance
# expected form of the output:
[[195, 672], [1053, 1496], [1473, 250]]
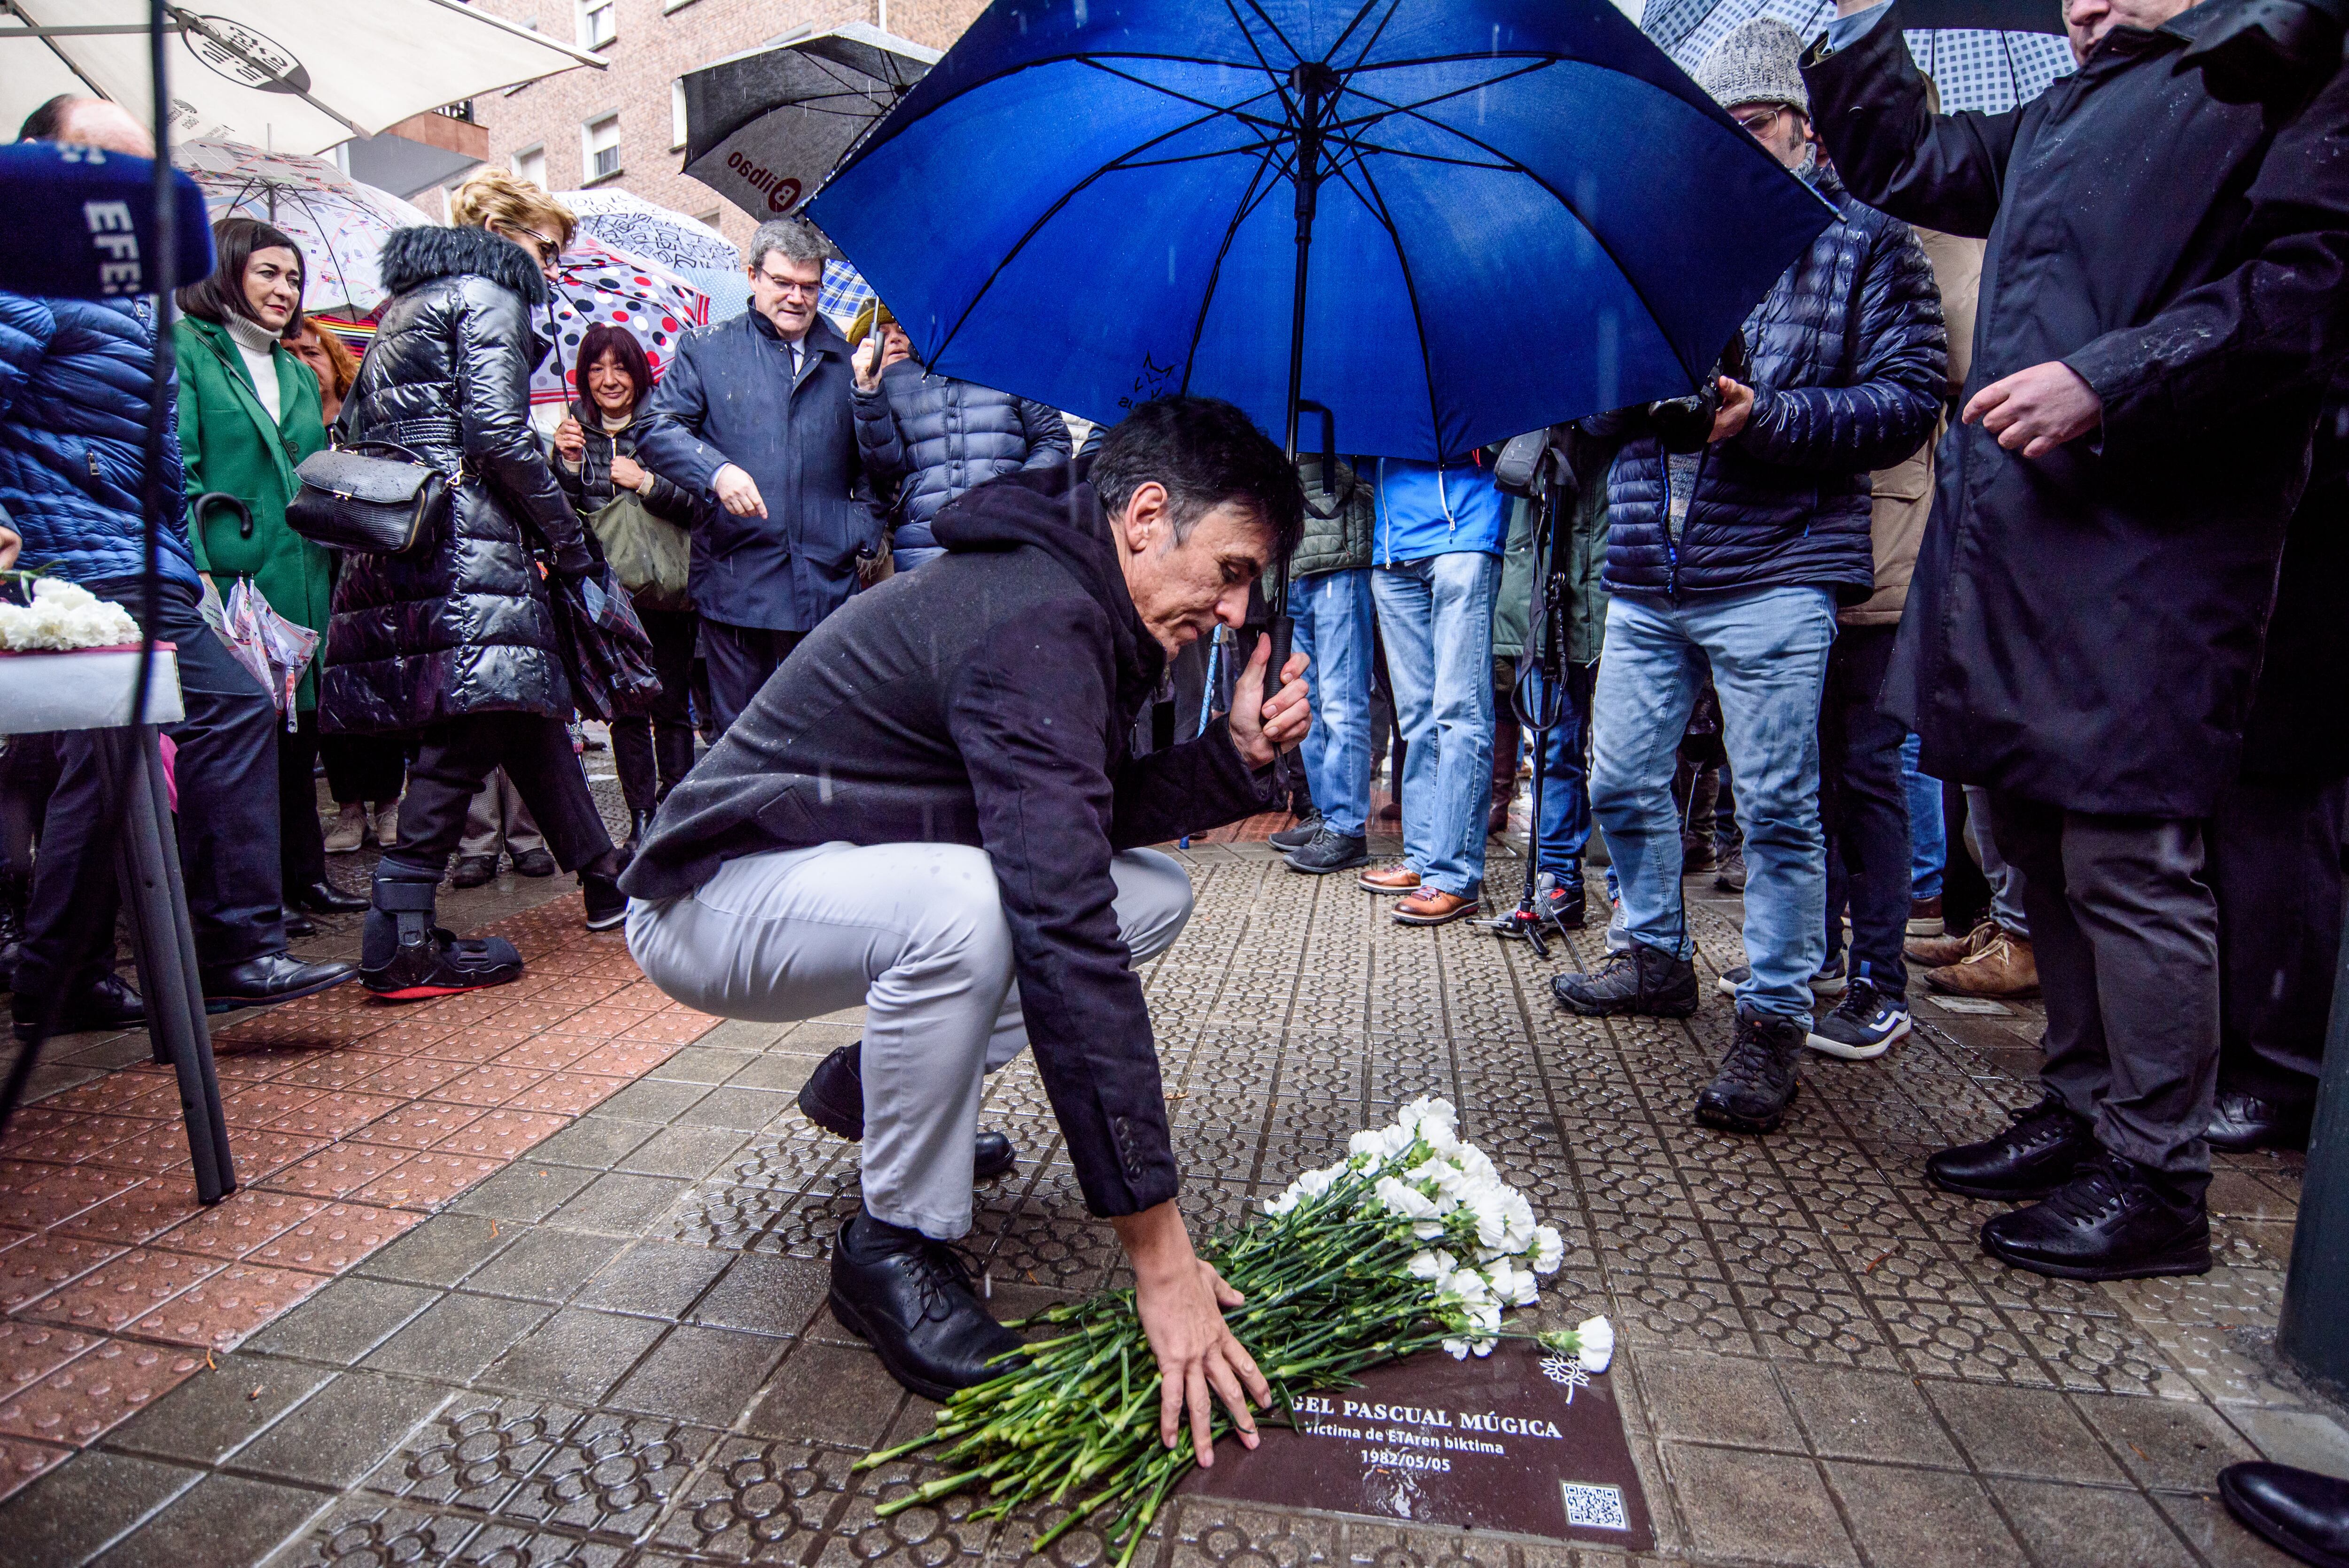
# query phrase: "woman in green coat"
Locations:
[[248, 414]]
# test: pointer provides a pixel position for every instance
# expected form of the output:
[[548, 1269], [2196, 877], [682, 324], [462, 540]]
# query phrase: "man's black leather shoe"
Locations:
[[474, 871], [108, 1003], [2245, 1121], [2302, 1513], [1645, 980], [2033, 1157], [271, 978], [607, 906], [322, 897], [833, 1098], [2114, 1219], [910, 1297], [1758, 1080], [295, 924]]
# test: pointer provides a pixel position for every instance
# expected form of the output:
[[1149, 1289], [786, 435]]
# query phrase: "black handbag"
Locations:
[[352, 499]]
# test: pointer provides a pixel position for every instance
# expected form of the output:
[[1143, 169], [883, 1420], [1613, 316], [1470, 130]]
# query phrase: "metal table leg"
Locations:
[[147, 862]]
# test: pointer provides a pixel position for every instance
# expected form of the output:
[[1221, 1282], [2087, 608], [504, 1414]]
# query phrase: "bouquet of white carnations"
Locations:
[[1414, 1241], [63, 615]]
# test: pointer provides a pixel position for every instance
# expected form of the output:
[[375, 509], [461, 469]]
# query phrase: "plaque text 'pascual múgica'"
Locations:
[[1418, 1426]]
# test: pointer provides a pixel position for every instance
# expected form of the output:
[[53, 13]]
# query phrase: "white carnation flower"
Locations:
[[1457, 1348], [1549, 1249], [64, 615], [1598, 1338], [1431, 1265]]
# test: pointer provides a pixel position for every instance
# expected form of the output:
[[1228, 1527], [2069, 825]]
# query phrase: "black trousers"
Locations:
[[364, 770], [740, 658], [459, 754], [653, 753], [1865, 807], [2276, 865], [226, 770], [2125, 931], [300, 837], [30, 769]]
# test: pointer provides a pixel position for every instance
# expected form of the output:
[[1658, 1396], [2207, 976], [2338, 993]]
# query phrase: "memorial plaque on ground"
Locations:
[[1521, 1440]]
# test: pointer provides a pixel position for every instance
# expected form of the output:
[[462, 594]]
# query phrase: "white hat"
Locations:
[[1756, 63]]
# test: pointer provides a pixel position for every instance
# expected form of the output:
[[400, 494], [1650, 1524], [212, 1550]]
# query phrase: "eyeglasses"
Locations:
[[1761, 124], [544, 248], [791, 287]]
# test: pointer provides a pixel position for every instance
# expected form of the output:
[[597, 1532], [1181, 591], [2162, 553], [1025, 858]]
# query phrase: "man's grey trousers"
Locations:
[[914, 932]]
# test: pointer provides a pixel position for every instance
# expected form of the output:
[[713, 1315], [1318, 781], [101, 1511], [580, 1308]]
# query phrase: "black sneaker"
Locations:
[[1829, 982], [607, 906], [1329, 851], [1298, 837], [1757, 1078], [910, 1297], [2038, 1153], [1863, 1026], [1731, 876], [1646, 980], [2114, 1219]]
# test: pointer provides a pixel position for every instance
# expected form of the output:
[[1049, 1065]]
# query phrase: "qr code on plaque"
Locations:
[[1594, 1507]]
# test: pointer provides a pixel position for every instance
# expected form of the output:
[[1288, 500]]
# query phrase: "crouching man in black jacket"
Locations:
[[930, 809]]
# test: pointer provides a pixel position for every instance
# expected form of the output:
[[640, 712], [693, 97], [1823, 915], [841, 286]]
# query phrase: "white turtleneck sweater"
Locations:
[[257, 346]]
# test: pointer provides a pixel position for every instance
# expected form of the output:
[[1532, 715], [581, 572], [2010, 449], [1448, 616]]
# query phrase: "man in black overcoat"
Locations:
[[2160, 293]]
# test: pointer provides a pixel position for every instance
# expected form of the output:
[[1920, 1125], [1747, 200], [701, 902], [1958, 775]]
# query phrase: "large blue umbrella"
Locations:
[[1447, 221]]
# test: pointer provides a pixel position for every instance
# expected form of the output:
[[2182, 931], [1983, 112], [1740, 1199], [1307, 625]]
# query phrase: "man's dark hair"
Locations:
[[220, 293], [1206, 453], [43, 123], [606, 337]]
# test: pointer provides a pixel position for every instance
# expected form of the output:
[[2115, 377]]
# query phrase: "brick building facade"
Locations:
[[548, 129]]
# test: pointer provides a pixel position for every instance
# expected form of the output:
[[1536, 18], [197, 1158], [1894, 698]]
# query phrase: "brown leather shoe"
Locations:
[[1387, 878], [1433, 906], [2005, 968], [1938, 951]]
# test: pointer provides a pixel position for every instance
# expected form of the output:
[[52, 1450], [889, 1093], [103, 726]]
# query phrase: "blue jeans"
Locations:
[[1436, 616], [1566, 785], [1929, 835], [913, 555], [1332, 611], [1768, 653]]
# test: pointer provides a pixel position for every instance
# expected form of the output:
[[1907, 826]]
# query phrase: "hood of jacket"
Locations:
[[1047, 509], [414, 256]]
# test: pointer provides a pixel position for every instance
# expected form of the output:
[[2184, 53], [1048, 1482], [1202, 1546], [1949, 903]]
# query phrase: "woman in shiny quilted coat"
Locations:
[[456, 639]]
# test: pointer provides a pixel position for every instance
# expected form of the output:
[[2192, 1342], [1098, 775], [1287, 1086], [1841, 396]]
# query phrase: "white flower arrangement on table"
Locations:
[[1412, 1241], [64, 616]]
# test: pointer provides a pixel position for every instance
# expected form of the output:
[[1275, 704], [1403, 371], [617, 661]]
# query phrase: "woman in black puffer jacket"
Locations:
[[926, 438], [456, 639]]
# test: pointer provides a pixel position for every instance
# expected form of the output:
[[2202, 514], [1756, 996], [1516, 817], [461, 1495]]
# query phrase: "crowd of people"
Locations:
[[957, 672]]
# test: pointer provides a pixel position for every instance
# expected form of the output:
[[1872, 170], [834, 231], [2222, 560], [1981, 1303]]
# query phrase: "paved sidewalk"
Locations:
[[613, 1351]]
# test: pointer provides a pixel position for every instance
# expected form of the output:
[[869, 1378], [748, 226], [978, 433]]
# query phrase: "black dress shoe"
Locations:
[[322, 897], [271, 978], [833, 1098], [2033, 1157], [910, 1298], [2114, 1219], [1758, 1078], [640, 824], [2245, 1121], [534, 863], [2302, 1513], [107, 1003], [472, 871], [1646, 981], [295, 923]]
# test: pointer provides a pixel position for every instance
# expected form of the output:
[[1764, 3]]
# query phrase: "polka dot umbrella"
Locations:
[[598, 282]]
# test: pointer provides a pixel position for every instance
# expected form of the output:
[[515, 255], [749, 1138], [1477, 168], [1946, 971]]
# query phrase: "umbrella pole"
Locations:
[[1315, 86]]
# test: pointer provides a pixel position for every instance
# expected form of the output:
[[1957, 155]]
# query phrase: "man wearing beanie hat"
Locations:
[[2159, 307], [1733, 559]]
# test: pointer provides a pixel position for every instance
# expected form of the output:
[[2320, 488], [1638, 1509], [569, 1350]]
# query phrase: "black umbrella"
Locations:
[[763, 129]]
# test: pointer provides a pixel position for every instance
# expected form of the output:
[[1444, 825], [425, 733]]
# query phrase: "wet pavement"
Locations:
[[536, 1276]]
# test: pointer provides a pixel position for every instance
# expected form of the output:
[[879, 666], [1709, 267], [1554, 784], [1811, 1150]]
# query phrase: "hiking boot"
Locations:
[[1925, 917], [1434, 906], [1644, 980], [404, 958], [1298, 837], [1827, 982], [2116, 1219], [350, 830], [1731, 877], [2037, 1153], [2004, 969], [1863, 1026], [1388, 880], [1330, 850], [1757, 1078], [833, 1098], [1938, 951], [910, 1297], [1697, 855], [472, 871]]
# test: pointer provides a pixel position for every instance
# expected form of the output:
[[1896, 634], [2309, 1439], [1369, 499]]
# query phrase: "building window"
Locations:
[[599, 22], [600, 148], [677, 113], [530, 164]]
